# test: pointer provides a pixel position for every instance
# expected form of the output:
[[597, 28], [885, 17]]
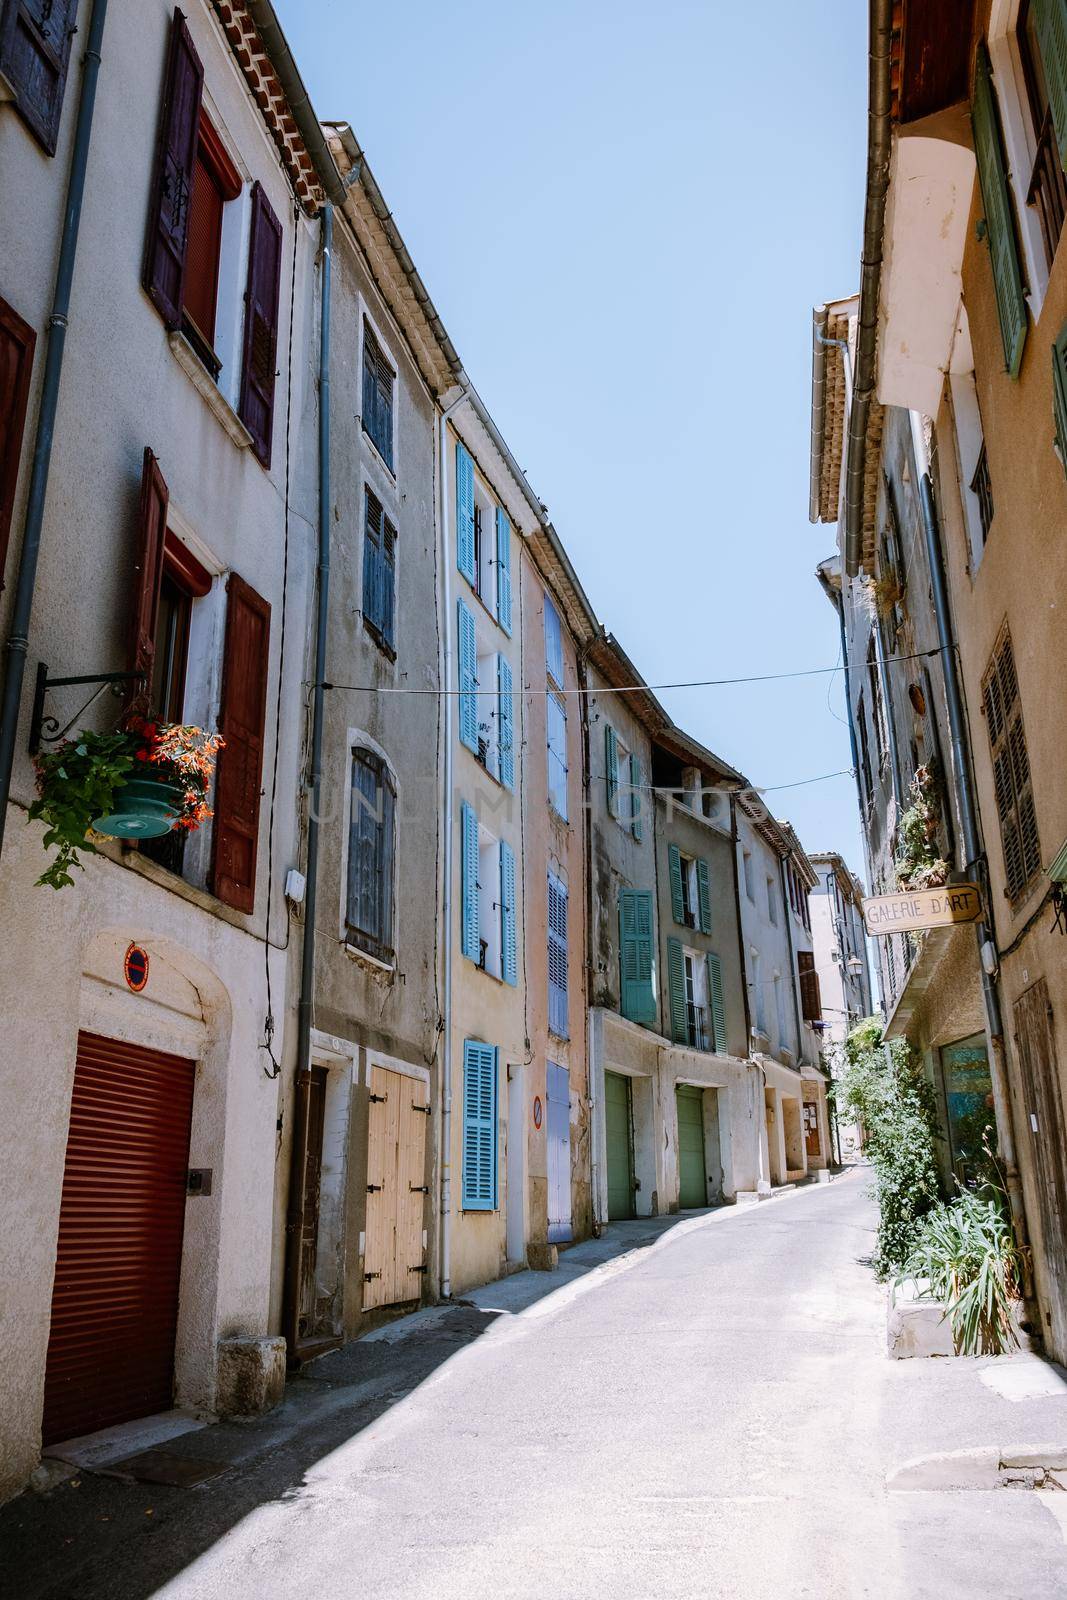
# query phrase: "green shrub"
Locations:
[[968, 1253]]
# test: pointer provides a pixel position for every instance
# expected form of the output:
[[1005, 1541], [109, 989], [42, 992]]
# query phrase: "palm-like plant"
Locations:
[[968, 1253]]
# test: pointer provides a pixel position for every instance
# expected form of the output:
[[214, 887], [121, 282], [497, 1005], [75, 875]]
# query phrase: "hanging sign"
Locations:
[[884, 914], [135, 967]]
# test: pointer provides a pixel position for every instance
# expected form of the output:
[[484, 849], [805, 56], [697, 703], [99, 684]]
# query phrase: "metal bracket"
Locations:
[[374, 1188], [424, 1109], [378, 1099], [423, 1268], [367, 1276], [419, 1188], [46, 730]]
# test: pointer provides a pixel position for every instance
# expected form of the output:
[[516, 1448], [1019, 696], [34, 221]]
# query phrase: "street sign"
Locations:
[[922, 908]]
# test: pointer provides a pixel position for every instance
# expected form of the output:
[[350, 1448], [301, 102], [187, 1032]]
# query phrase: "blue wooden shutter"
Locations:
[[676, 991], [388, 584], [637, 798], [636, 956], [479, 1126], [611, 759], [503, 569], [1050, 19], [718, 1009], [472, 947], [508, 931], [704, 895], [506, 723], [999, 216], [468, 679], [553, 644], [674, 866], [557, 957], [464, 513]]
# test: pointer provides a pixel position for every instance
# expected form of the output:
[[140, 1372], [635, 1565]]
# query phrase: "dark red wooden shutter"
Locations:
[[240, 765], [35, 37], [261, 325], [121, 1220], [17, 340], [168, 216], [148, 573], [810, 994]]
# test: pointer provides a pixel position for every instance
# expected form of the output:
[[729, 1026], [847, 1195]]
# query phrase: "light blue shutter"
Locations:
[[999, 216], [557, 957], [611, 758], [479, 1126], [464, 513], [1050, 18], [676, 991], [503, 569], [553, 644], [718, 1009], [509, 961], [704, 895], [637, 799], [674, 868], [472, 947], [506, 723], [468, 679]]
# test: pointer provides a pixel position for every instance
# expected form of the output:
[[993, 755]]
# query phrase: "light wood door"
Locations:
[[396, 1164], [1044, 1133]]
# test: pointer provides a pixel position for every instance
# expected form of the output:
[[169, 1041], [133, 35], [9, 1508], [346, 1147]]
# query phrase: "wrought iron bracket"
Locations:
[[46, 730]]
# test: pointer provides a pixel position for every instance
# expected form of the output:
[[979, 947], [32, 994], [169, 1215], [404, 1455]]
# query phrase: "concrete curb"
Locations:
[[1020, 1467]]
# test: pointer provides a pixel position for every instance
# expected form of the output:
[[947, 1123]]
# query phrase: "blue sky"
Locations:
[[624, 215]]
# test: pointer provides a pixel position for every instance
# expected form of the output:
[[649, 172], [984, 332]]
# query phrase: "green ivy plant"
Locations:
[[76, 782], [885, 1088], [967, 1252], [919, 864]]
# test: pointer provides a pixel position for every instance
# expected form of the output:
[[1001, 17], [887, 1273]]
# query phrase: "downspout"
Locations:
[[972, 845], [294, 1226], [879, 142], [17, 646], [591, 1065]]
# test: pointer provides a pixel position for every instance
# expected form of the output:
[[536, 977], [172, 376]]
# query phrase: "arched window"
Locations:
[[371, 849]]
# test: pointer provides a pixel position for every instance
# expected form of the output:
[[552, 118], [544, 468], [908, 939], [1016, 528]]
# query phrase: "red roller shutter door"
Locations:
[[115, 1300]]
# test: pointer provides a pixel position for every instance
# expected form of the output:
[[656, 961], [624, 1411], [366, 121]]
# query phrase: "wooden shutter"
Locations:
[[810, 993], [1044, 1135], [256, 406], [1050, 20], [506, 723], [704, 895], [637, 799], [674, 867], [1011, 770], [508, 932], [636, 956], [558, 964], [468, 679], [479, 1126], [35, 39], [503, 570], [611, 760], [676, 991], [387, 590], [168, 215], [718, 1007], [378, 379], [999, 216], [240, 765], [464, 513], [148, 575], [470, 911], [17, 341], [372, 549], [1059, 393]]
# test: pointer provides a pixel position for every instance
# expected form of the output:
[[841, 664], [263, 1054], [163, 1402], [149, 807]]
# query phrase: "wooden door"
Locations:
[[620, 1156], [1042, 1132], [398, 1113], [121, 1221], [558, 1091], [692, 1173], [309, 1235]]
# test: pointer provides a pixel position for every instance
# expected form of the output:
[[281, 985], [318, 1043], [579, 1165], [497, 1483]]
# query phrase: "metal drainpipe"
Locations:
[[298, 1175], [972, 844], [590, 974], [18, 639]]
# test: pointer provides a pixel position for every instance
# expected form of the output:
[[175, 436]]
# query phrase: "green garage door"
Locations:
[[620, 1146], [692, 1175]]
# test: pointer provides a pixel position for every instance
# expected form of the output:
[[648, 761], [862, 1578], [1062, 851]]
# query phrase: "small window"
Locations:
[[750, 884], [557, 756], [378, 381], [379, 571], [760, 1005], [371, 845], [772, 902], [553, 644]]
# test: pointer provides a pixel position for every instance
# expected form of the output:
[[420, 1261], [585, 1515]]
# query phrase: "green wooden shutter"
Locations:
[[704, 895], [472, 947], [637, 798], [503, 569], [479, 1125], [674, 864], [676, 991], [611, 759], [718, 1008], [508, 931], [464, 513], [468, 679], [505, 724], [1059, 392], [1050, 19], [999, 216], [636, 956]]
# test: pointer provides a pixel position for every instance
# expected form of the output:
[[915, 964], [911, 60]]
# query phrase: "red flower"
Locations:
[[142, 755]]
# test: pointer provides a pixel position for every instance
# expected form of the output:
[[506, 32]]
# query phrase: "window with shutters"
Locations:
[[17, 340], [1012, 782], [35, 44], [369, 903], [484, 584], [619, 779], [881, 733], [998, 226], [687, 974], [483, 541], [479, 1181], [810, 996], [379, 386], [557, 957], [216, 187], [865, 758], [488, 900], [556, 718], [379, 573], [553, 644], [1041, 26]]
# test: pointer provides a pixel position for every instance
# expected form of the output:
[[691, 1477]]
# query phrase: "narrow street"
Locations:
[[709, 1414]]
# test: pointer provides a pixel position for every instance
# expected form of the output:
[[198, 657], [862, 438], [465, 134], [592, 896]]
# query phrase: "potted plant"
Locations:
[[136, 782], [919, 864]]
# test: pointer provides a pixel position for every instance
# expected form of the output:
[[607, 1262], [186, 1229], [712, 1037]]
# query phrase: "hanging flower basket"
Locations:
[[138, 782]]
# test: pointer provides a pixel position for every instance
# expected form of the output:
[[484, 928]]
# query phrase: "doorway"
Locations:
[[393, 1265], [618, 1119], [692, 1167], [558, 1090], [515, 1222]]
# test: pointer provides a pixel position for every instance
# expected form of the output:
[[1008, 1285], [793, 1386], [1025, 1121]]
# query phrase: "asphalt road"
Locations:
[[710, 1415]]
